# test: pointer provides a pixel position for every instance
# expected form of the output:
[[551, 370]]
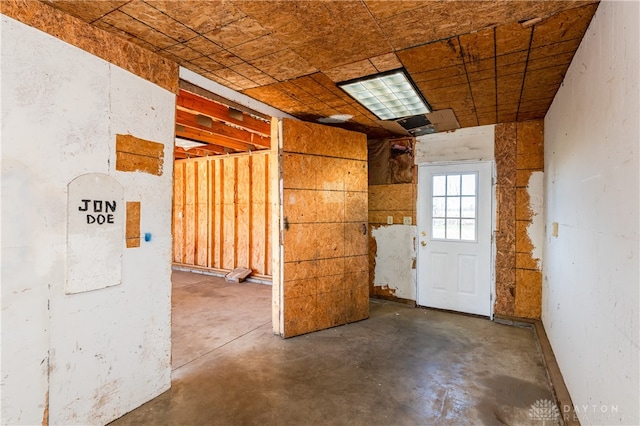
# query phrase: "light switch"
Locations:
[[554, 231], [389, 220], [406, 220]]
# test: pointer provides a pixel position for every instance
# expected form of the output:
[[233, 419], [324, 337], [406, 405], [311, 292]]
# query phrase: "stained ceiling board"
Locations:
[[486, 61]]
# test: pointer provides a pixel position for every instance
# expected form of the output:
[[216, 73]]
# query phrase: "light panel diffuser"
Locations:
[[388, 96]]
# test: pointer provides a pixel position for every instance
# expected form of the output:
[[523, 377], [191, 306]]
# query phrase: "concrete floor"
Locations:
[[402, 366]]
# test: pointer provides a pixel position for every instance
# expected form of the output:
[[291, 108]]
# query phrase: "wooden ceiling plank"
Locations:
[[426, 86], [511, 69], [189, 119], [134, 27], [283, 65], [87, 10], [183, 51], [180, 152], [554, 49], [512, 58], [206, 137], [566, 25], [545, 76], [200, 16], [512, 38], [484, 93], [238, 32], [220, 112], [433, 56], [350, 71], [386, 62], [157, 20], [207, 63], [478, 45], [129, 37], [489, 73], [203, 45], [447, 72], [261, 46]]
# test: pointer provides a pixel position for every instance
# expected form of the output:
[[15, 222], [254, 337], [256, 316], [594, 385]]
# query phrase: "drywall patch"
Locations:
[[535, 230], [138, 155], [133, 224], [94, 233], [394, 275]]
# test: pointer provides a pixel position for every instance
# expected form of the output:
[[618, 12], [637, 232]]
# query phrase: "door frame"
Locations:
[[421, 203]]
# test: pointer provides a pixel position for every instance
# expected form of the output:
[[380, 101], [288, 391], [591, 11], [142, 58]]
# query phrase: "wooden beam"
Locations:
[[206, 137], [219, 112], [189, 119], [204, 151]]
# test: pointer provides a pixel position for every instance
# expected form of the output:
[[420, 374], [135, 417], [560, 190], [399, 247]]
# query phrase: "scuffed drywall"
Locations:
[[395, 272], [535, 230], [472, 143], [591, 300], [96, 354]]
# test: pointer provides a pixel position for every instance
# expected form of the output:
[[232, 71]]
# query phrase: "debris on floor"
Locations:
[[237, 275]]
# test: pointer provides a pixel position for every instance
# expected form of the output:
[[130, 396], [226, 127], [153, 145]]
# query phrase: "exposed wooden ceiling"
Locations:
[[490, 61], [223, 129]]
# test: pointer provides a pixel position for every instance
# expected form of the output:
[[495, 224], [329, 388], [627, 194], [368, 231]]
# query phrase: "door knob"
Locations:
[[423, 243]]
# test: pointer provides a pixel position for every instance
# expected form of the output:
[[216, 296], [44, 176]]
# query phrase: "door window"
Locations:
[[453, 202]]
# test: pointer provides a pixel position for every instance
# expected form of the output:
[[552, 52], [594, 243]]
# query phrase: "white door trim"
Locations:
[[420, 204]]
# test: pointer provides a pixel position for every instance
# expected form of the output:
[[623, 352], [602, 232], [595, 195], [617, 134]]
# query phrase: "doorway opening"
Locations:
[[222, 220]]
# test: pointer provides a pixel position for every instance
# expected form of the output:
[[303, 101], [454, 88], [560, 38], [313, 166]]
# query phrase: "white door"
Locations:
[[454, 237]]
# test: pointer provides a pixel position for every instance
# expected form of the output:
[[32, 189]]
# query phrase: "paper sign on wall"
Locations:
[[95, 237]]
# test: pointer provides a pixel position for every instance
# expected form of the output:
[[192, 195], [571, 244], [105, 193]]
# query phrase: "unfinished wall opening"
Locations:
[[222, 221]]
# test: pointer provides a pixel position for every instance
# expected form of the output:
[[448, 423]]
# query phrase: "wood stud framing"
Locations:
[[221, 216]]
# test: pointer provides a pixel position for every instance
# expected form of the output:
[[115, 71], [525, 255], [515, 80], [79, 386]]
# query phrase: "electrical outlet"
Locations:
[[389, 220], [406, 220]]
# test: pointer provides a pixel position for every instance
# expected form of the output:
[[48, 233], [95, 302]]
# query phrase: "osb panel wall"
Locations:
[[397, 201], [100, 43], [324, 173], [530, 159], [519, 151], [221, 214]]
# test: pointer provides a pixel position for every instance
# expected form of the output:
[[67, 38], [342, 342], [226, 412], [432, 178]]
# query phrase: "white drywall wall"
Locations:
[[590, 289], [472, 143], [395, 260], [96, 354]]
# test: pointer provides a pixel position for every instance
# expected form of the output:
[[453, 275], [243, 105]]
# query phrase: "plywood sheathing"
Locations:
[[505, 155], [131, 57], [221, 216], [505, 72], [519, 152], [325, 222], [529, 159], [398, 201]]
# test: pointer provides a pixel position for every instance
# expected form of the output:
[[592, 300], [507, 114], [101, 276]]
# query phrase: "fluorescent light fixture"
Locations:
[[188, 144], [388, 95]]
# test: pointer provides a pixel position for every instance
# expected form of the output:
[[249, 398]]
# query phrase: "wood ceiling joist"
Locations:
[[206, 124], [219, 112], [204, 151], [206, 137]]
